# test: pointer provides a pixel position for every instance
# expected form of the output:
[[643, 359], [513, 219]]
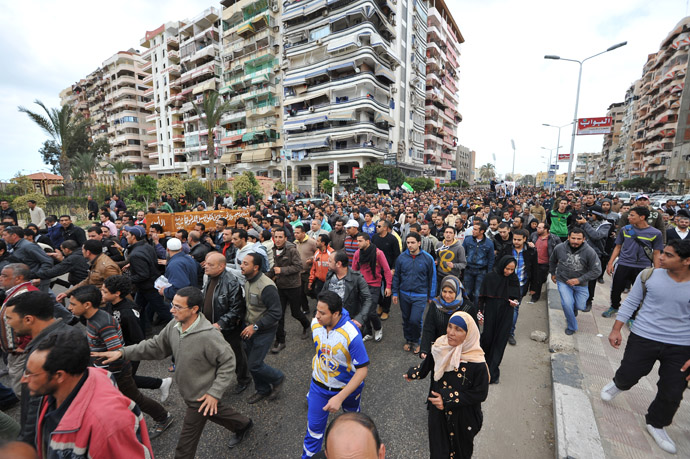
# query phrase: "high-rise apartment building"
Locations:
[[464, 165], [251, 137], [339, 68], [114, 99], [442, 103], [612, 150]]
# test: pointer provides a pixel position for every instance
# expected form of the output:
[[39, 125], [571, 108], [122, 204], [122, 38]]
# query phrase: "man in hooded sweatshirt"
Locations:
[[450, 257], [572, 265]]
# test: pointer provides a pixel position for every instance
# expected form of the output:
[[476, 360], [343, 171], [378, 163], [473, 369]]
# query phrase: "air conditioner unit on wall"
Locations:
[[275, 8], [394, 89], [311, 109], [319, 41]]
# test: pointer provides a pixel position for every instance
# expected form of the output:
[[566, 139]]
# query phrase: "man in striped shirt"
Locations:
[[104, 334], [351, 244]]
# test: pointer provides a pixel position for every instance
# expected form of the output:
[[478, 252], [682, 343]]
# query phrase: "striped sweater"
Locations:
[[104, 334]]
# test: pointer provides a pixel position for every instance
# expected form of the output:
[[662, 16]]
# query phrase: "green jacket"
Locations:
[[205, 363]]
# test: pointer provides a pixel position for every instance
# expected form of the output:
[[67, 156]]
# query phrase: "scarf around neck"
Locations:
[[448, 358]]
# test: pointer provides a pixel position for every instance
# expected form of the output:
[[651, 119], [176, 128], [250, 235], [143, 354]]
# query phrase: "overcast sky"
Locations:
[[507, 89]]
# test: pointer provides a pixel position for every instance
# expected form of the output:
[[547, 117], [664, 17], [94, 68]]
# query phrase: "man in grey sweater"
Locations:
[[205, 369], [660, 332], [572, 265]]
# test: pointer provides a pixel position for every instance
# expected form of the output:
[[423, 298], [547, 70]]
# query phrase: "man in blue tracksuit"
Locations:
[[479, 253], [414, 284], [338, 368]]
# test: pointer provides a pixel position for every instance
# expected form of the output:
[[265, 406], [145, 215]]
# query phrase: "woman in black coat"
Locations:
[[498, 297], [459, 385], [450, 300]]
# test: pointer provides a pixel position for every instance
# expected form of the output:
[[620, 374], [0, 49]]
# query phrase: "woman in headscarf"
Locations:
[[459, 385], [451, 299], [498, 297]]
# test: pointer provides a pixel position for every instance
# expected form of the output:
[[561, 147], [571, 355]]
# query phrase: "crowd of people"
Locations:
[[458, 264]]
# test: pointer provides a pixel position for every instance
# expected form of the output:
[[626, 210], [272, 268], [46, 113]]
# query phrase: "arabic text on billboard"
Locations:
[[564, 156], [593, 126]]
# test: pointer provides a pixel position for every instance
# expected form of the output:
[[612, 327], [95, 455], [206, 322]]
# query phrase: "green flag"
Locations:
[[407, 187], [382, 184]]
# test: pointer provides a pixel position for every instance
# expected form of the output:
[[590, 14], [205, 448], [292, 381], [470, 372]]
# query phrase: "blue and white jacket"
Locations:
[[339, 352]]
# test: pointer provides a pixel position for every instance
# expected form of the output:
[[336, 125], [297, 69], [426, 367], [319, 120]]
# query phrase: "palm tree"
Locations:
[[65, 127], [213, 108], [84, 164], [119, 167], [487, 171]]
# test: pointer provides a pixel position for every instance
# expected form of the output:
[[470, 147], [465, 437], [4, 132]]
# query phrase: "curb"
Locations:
[[576, 431]]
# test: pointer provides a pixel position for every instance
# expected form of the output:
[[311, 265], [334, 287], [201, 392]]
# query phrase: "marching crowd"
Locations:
[[458, 264]]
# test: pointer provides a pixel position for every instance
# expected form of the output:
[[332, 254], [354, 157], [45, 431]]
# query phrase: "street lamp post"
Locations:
[[548, 169], [569, 182], [558, 142], [512, 142]]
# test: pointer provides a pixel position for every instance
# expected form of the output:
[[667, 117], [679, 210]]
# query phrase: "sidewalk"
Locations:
[[585, 425]]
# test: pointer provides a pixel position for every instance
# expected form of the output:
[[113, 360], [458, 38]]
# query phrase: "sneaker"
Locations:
[[576, 311], [662, 439], [160, 427], [511, 340], [239, 435], [384, 316], [531, 301], [277, 347], [239, 388], [569, 331], [600, 280], [306, 332], [276, 389], [630, 323], [610, 312], [257, 397], [609, 392], [367, 338], [378, 335], [165, 389]]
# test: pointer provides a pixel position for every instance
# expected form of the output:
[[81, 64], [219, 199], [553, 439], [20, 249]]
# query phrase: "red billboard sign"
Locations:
[[593, 126], [564, 156]]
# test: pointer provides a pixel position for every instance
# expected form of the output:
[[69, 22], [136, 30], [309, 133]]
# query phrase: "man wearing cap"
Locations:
[[181, 270], [143, 269], [681, 230], [655, 219], [350, 243], [597, 230], [101, 267]]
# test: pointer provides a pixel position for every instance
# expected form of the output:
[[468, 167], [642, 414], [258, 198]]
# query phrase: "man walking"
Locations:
[[286, 273], [36, 214], [414, 284], [661, 333], [28, 253], [205, 366], [350, 286], [181, 270], [306, 247], [543, 242], [479, 253], [101, 267], [389, 244], [638, 246], [450, 256], [261, 319], [319, 266], [373, 266], [339, 368], [224, 307], [572, 265]]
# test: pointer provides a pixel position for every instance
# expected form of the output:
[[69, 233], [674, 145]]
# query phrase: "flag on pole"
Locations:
[[407, 187], [382, 184]]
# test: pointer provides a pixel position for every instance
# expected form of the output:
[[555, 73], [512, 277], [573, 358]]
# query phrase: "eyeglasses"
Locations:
[[178, 307], [31, 375]]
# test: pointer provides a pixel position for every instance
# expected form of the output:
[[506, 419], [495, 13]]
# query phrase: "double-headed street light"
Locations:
[[548, 169], [569, 182]]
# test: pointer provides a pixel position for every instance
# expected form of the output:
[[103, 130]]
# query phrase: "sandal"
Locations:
[[416, 349], [407, 347]]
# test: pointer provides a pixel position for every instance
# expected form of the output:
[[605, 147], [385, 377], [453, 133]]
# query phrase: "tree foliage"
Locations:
[[20, 201], [144, 189], [174, 186], [194, 188], [487, 172], [370, 172], [421, 183], [20, 185], [213, 108], [246, 182], [327, 186]]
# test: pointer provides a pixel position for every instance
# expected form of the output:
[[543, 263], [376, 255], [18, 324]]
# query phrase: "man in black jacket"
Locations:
[[143, 268], [69, 260], [7, 212], [69, 231], [224, 307], [28, 253], [526, 269], [109, 247], [350, 286]]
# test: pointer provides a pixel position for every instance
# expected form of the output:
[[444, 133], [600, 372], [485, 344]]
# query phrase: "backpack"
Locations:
[[645, 274]]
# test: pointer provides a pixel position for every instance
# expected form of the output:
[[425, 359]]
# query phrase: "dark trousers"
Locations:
[[622, 277], [144, 382], [292, 296], [234, 338], [372, 321], [127, 386], [150, 301], [385, 301], [304, 293], [542, 275], [592, 285], [263, 375], [194, 422], [638, 360]]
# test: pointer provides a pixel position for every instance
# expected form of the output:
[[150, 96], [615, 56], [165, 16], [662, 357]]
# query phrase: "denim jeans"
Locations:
[[572, 297], [373, 322], [516, 309], [472, 280], [150, 301], [264, 376], [412, 309]]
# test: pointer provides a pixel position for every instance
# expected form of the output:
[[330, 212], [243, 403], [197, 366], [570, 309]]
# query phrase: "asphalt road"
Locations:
[[518, 413]]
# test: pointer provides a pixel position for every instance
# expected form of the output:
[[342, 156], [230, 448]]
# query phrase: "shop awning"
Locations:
[[230, 139], [263, 154]]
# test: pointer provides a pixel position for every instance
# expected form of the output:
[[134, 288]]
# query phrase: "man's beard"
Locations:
[[575, 247]]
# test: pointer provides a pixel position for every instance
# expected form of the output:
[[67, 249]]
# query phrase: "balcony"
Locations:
[[150, 105], [147, 67], [172, 42]]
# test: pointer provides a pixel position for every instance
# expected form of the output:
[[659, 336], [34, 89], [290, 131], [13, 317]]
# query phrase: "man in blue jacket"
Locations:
[[479, 253], [181, 270], [414, 284]]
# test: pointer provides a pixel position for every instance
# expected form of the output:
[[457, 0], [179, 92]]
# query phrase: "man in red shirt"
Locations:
[[373, 266]]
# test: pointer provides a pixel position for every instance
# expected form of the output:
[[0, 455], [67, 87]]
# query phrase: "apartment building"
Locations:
[[611, 161], [624, 168], [587, 169], [464, 165], [338, 64], [442, 103], [113, 98], [251, 84]]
